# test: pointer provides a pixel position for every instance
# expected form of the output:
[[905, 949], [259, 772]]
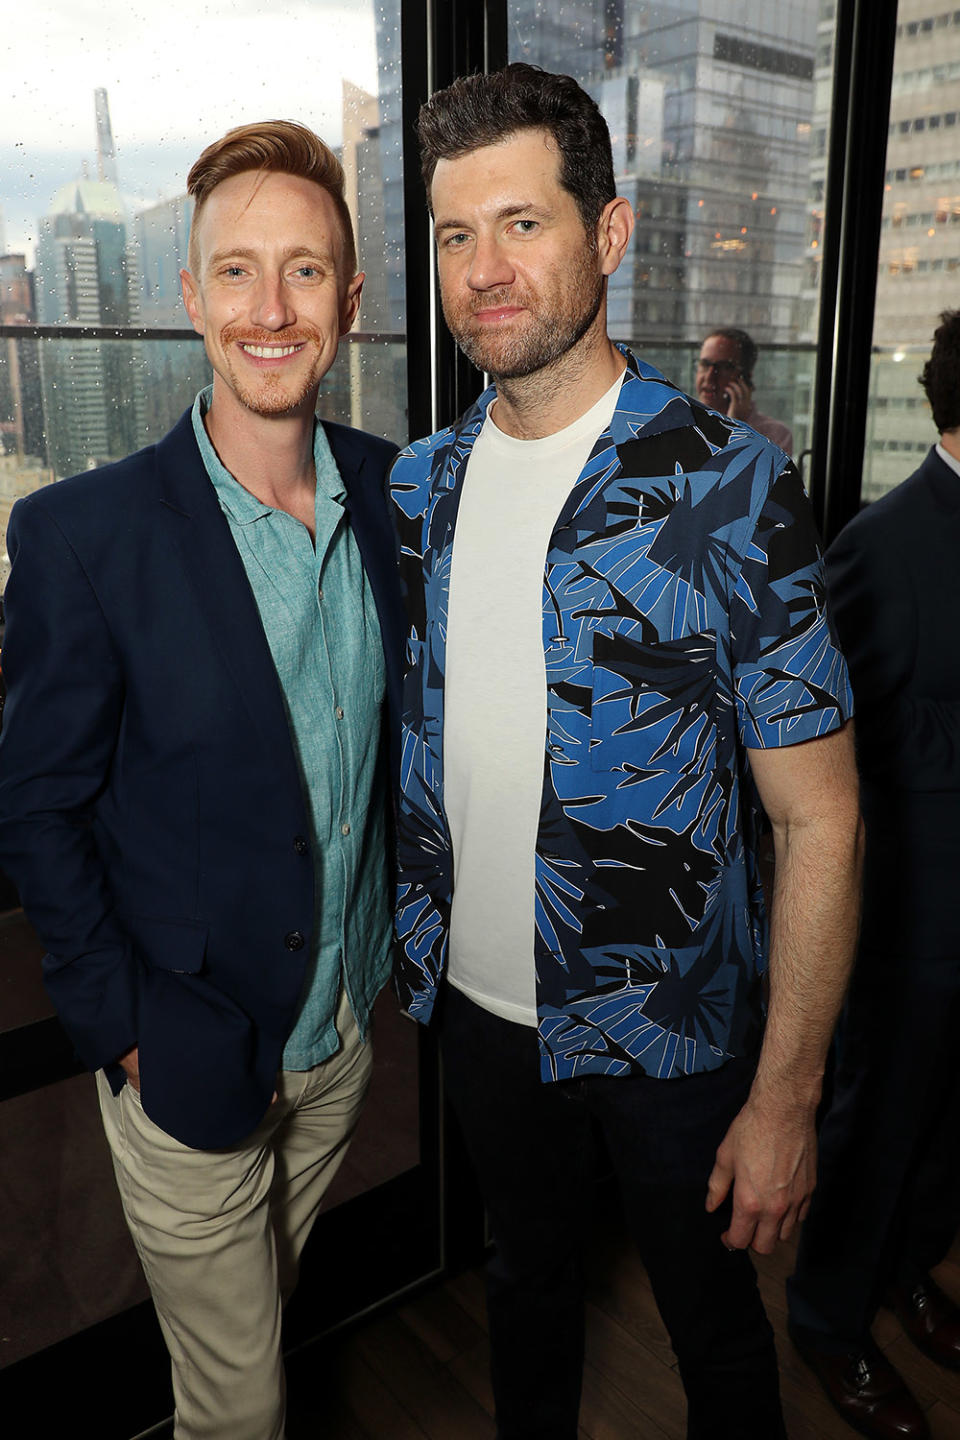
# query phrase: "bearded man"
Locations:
[[617, 639]]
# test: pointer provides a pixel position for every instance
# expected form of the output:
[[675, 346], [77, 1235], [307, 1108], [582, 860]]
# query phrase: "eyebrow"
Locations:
[[508, 212], [325, 257]]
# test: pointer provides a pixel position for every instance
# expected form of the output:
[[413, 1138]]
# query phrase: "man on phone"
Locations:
[[724, 381]]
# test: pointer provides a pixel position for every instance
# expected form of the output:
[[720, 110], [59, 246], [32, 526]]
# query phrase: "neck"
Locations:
[[950, 440], [269, 455], [532, 406]]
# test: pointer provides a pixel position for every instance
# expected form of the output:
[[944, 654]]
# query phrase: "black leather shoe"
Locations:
[[865, 1389], [930, 1319]]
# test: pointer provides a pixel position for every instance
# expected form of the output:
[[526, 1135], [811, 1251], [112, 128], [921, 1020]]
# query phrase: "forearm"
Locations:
[[813, 932]]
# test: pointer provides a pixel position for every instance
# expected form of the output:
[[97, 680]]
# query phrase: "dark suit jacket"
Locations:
[[151, 810], [894, 579]]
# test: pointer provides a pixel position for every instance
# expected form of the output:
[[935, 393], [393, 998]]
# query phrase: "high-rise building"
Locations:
[[92, 393], [375, 371], [173, 370], [161, 236], [919, 266], [22, 444], [106, 153], [709, 107], [21, 405]]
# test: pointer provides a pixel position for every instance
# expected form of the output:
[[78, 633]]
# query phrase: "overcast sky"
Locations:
[[177, 76]]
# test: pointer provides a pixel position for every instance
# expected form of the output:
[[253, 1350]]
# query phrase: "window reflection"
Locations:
[[719, 118], [94, 219], [920, 238]]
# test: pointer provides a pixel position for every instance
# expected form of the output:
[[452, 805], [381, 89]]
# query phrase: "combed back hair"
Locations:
[[479, 110], [940, 376], [278, 146], [746, 348]]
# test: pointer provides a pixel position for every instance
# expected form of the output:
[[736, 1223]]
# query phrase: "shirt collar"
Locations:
[[948, 459], [242, 507]]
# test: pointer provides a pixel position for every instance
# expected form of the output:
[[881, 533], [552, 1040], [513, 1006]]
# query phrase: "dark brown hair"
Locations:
[[479, 110], [280, 146], [940, 376]]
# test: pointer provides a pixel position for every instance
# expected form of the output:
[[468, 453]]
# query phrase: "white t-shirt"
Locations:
[[495, 700]]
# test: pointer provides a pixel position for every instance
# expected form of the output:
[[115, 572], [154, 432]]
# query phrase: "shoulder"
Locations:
[[774, 430], [422, 453], [92, 493], [111, 497], [910, 508]]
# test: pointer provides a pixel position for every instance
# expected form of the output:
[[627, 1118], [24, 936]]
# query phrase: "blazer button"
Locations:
[[294, 940], [300, 845]]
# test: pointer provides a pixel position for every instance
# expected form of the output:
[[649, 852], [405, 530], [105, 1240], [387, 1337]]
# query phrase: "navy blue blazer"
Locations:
[[894, 591], [151, 810]]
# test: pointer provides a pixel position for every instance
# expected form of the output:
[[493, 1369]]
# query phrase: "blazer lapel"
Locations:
[[214, 570], [366, 505]]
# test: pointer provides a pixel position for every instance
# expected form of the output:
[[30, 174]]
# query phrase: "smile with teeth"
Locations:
[[270, 352]]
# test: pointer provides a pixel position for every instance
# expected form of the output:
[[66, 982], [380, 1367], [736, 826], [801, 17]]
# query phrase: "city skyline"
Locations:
[[720, 133], [165, 108]]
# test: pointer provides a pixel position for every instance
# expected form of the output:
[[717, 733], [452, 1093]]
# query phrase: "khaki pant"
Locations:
[[219, 1234]]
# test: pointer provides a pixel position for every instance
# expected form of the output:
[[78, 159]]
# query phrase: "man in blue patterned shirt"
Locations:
[[617, 644]]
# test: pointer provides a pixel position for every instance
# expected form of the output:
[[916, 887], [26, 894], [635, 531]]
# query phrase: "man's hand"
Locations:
[[770, 1159], [131, 1065], [739, 398]]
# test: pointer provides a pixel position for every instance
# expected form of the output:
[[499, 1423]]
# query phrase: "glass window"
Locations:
[[730, 109], [94, 217], [910, 285]]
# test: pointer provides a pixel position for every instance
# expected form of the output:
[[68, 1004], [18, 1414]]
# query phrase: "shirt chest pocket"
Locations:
[[654, 704]]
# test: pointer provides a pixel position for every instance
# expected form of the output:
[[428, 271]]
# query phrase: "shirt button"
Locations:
[[339, 712], [294, 940], [300, 845], [319, 592], [344, 829]]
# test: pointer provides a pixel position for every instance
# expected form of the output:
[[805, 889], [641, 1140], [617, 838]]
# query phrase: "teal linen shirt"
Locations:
[[321, 625]]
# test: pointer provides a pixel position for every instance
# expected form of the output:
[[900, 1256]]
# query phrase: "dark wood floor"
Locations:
[[420, 1372]]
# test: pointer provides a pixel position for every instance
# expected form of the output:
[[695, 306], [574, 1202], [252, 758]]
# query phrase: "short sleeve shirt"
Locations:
[[683, 623]]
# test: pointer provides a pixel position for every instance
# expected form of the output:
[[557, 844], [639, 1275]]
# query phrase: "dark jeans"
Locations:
[[532, 1145], [887, 1203]]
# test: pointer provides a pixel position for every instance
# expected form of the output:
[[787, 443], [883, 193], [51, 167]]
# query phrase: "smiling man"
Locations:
[[200, 642], [617, 641]]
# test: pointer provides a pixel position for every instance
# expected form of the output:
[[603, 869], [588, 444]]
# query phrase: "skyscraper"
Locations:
[[93, 400], [709, 107], [919, 270], [172, 370]]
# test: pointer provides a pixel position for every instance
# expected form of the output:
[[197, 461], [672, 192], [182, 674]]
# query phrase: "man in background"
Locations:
[[193, 779], [887, 1204], [724, 381], [616, 640]]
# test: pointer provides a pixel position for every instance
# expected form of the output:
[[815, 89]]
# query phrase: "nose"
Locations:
[[490, 267], [272, 309]]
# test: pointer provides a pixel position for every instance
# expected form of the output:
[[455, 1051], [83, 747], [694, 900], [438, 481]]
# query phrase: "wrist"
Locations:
[[787, 1097]]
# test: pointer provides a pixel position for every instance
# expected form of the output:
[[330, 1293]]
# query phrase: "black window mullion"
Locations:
[[863, 70]]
